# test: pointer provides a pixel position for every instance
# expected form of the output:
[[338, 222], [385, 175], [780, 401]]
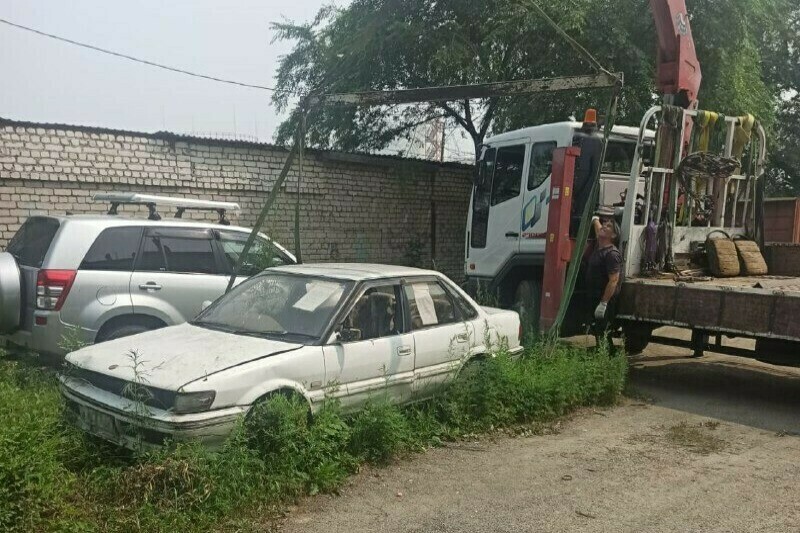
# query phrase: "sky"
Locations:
[[49, 81]]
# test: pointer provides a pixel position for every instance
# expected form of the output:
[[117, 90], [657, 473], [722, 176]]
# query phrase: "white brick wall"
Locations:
[[353, 208]]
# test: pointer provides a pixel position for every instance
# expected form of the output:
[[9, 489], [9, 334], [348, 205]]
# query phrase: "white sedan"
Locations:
[[344, 331]]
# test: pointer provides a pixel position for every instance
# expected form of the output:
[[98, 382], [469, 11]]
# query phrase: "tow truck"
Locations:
[[530, 191]]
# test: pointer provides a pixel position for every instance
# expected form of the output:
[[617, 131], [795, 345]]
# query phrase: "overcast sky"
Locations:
[[48, 81]]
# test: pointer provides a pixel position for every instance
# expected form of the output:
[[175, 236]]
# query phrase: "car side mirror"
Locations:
[[205, 304], [348, 334]]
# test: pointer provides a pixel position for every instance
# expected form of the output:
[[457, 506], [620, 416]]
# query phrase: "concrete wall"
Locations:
[[353, 207]]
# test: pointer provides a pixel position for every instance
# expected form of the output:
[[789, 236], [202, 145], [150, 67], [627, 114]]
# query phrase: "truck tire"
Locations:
[[10, 294], [527, 302], [637, 337]]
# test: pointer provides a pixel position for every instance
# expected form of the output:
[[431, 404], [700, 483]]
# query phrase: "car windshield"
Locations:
[[276, 304]]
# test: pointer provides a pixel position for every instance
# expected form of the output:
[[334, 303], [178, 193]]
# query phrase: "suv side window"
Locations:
[[114, 249], [263, 254], [180, 251], [429, 304], [377, 313], [541, 164], [507, 173]]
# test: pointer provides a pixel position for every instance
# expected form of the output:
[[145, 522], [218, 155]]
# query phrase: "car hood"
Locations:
[[171, 357]]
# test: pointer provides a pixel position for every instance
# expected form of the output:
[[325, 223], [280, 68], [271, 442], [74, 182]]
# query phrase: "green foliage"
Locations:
[[749, 52], [54, 478]]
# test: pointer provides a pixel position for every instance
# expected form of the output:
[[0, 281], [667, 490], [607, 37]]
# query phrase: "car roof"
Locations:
[[354, 271]]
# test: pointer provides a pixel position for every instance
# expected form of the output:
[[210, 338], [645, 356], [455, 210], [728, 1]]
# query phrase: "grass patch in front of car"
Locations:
[[54, 478]]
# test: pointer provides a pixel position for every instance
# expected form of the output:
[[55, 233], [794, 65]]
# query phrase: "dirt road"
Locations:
[[715, 447]]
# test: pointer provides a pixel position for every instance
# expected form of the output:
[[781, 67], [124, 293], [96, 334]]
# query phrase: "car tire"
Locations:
[[527, 302], [124, 330]]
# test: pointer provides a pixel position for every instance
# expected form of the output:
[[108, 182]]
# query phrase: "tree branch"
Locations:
[[469, 126]]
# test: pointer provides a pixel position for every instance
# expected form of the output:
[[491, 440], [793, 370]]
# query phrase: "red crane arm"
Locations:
[[678, 70]]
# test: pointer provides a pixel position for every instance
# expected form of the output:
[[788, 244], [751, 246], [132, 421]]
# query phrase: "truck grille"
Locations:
[[150, 396]]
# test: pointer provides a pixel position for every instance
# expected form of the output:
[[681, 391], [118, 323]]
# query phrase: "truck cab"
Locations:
[[507, 221]]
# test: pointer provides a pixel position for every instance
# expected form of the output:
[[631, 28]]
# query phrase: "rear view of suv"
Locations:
[[94, 278]]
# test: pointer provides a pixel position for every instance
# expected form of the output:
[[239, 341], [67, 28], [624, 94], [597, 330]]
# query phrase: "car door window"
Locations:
[[184, 252], [152, 258], [429, 304], [114, 249], [507, 173], [376, 313], [263, 254], [189, 255], [541, 165]]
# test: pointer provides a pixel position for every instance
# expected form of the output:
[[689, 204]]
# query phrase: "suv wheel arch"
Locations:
[[124, 325]]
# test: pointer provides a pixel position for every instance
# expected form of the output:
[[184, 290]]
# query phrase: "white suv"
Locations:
[[92, 278]]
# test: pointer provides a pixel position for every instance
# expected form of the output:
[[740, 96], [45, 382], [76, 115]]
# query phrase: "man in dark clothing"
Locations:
[[603, 277]]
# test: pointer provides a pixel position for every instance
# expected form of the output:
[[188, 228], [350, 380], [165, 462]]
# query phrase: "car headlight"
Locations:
[[193, 402]]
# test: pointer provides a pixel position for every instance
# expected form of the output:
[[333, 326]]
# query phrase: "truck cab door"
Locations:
[[495, 211], [536, 198]]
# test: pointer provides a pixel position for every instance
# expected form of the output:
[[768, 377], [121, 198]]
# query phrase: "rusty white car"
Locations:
[[328, 331]]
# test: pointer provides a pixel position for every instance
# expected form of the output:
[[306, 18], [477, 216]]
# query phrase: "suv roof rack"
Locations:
[[151, 201]]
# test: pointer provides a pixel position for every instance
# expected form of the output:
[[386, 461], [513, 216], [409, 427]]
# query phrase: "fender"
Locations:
[[271, 386]]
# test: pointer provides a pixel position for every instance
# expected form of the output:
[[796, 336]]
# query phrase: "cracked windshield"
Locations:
[[276, 305]]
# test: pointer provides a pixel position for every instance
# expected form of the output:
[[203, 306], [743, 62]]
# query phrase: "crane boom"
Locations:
[[678, 73]]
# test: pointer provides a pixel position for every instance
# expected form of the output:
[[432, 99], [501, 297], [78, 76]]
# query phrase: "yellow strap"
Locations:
[[741, 134], [708, 120]]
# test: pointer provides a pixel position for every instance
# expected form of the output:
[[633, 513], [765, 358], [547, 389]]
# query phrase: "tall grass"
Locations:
[[54, 478]]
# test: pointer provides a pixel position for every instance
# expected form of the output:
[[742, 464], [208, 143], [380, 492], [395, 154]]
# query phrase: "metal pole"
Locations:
[[301, 141], [264, 210]]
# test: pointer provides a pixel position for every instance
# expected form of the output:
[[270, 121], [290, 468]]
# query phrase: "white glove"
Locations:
[[597, 218], [600, 311]]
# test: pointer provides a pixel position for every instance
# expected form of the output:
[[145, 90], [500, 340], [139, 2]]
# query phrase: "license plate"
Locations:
[[98, 422]]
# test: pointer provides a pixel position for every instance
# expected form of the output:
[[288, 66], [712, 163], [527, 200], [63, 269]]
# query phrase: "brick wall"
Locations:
[[353, 207]]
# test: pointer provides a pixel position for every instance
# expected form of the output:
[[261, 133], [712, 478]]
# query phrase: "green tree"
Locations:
[[393, 44]]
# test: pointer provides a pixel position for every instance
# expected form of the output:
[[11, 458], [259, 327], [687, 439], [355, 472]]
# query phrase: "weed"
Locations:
[[53, 478], [695, 439]]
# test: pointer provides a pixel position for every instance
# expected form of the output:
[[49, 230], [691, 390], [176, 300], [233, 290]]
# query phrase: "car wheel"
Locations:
[[527, 302], [124, 330]]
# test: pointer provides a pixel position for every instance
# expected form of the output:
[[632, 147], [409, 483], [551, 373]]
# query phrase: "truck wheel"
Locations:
[[10, 293], [637, 337], [527, 302]]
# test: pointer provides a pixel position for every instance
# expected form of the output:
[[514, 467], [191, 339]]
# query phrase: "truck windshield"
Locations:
[[278, 305], [481, 195]]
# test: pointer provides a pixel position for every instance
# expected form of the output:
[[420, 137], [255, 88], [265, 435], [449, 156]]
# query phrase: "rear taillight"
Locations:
[[52, 287]]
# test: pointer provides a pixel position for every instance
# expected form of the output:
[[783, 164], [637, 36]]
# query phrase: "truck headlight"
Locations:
[[193, 402]]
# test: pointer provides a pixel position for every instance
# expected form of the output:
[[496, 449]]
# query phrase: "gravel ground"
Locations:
[[712, 445]]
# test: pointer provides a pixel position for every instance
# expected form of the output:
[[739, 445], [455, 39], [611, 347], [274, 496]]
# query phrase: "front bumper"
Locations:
[[135, 426]]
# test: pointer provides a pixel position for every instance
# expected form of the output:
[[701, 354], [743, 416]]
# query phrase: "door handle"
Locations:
[[403, 350], [512, 234], [150, 286], [462, 337]]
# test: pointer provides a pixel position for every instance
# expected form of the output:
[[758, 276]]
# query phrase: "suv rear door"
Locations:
[[176, 271]]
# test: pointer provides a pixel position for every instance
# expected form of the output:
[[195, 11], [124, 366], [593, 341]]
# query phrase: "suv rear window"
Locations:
[[178, 250], [114, 249], [31, 242]]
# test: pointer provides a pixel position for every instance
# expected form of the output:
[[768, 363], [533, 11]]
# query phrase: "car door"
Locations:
[[176, 271], [536, 198], [374, 354], [442, 333], [496, 204]]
